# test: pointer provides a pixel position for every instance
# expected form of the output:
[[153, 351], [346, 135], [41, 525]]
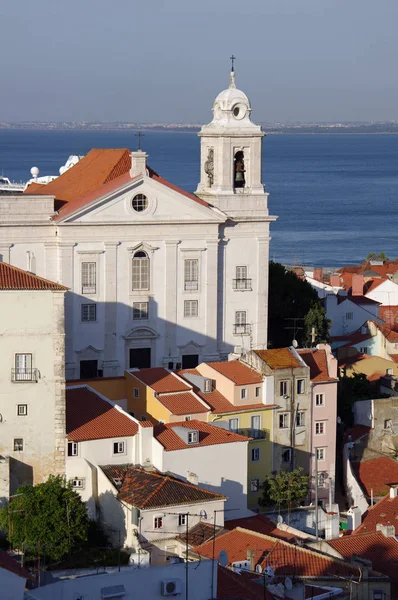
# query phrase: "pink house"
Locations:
[[323, 406]]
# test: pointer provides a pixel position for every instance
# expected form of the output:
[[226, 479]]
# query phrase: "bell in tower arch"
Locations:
[[239, 170]]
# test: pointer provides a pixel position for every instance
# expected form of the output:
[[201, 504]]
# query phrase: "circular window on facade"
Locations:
[[139, 203], [239, 111]]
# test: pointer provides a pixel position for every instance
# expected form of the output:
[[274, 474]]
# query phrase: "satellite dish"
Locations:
[[295, 344], [258, 569], [288, 583], [34, 172], [223, 558], [279, 520]]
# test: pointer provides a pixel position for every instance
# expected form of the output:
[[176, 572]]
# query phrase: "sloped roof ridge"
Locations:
[[50, 285]]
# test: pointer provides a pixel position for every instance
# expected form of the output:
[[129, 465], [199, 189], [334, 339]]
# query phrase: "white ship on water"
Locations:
[[13, 187]]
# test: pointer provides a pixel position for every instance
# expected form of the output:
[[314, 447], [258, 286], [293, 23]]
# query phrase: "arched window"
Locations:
[[140, 271], [239, 170]]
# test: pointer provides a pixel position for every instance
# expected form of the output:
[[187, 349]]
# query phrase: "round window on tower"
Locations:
[[239, 111], [139, 202]]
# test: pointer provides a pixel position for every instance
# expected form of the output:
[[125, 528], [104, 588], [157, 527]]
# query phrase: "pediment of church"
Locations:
[[141, 333], [145, 201]]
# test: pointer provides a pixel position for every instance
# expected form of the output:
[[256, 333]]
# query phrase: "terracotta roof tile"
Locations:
[[150, 489], [232, 585], [209, 435], [394, 357], [90, 417], [318, 364], [145, 423], [182, 403], [376, 474], [286, 559], [237, 372], [161, 380], [279, 358], [384, 512], [12, 278], [260, 524], [200, 533], [389, 334]]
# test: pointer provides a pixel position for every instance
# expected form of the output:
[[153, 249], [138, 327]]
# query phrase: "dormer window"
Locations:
[[207, 385], [193, 437]]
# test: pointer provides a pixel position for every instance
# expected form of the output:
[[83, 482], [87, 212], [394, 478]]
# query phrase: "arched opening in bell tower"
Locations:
[[239, 170]]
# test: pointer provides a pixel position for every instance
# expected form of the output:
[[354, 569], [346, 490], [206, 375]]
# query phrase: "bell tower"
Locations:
[[231, 146]]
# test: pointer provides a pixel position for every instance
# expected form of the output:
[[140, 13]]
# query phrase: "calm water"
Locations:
[[336, 195]]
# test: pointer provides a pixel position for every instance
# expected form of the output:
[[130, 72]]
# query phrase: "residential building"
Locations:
[[384, 513], [374, 367], [372, 338], [149, 265], [151, 510], [380, 416], [32, 400], [348, 313]]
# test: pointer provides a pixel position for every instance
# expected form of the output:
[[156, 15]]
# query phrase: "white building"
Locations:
[[159, 276], [32, 384]]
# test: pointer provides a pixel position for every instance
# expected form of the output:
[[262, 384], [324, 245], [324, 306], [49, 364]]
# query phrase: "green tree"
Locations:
[[316, 318], [349, 390], [286, 489], [49, 517], [375, 256]]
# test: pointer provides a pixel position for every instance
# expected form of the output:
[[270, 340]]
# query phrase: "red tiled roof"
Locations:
[[237, 372], [200, 533], [161, 380], [233, 586], [380, 550], [9, 563], [209, 435], [145, 423], [384, 512], [394, 357], [182, 403], [318, 364], [372, 284], [389, 334], [260, 524], [375, 474], [90, 417], [286, 559], [12, 278], [279, 358], [387, 268], [150, 489]]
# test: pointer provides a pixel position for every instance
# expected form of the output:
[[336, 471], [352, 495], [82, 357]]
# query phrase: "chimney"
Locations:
[[386, 530], [138, 163], [357, 285], [317, 274], [192, 478], [354, 518], [335, 280], [393, 491], [250, 559]]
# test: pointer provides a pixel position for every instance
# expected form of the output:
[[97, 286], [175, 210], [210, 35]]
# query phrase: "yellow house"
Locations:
[[373, 367]]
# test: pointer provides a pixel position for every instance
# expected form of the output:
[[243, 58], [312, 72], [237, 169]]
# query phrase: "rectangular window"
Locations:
[[190, 308], [158, 522], [255, 424], [140, 272], [321, 479], [319, 427], [241, 282], [283, 420], [78, 484], [300, 419], [136, 393], [18, 445], [193, 437], [188, 418], [320, 400], [254, 485], [140, 311], [118, 447], [72, 448], [22, 410], [258, 392], [191, 274], [23, 367], [182, 519], [89, 312], [207, 385], [241, 325], [89, 277], [287, 455], [241, 273], [349, 316], [243, 394], [300, 386], [283, 388], [255, 454], [320, 453], [233, 424], [363, 350]]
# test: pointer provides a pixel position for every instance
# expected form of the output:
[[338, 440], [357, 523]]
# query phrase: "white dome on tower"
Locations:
[[229, 97], [231, 108]]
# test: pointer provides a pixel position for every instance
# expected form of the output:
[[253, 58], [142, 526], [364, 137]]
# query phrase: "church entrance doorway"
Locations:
[[190, 361], [88, 369], [140, 358]]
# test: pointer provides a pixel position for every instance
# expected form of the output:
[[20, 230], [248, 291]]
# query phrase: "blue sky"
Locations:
[[154, 61]]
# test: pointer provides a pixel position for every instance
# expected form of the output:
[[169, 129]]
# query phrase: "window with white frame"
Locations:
[[88, 312], [207, 387], [182, 519], [118, 447], [320, 453], [22, 410], [320, 427], [241, 325], [23, 367], [300, 386], [190, 308], [158, 522], [283, 420], [233, 424], [300, 418], [193, 437], [320, 399], [140, 271], [255, 454], [243, 394], [321, 479], [242, 282], [191, 274], [389, 371], [78, 483], [287, 455], [73, 448], [136, 393], [140, 311], [258, 392], [18, 445], [349, 316], [283, 388], [254, 485], [139, 203], [89, 277]]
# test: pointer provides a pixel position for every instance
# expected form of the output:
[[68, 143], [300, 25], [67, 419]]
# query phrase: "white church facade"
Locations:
[[157, 276]]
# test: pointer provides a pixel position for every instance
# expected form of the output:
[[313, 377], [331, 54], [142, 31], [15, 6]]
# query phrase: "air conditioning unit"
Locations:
[[171, 587]]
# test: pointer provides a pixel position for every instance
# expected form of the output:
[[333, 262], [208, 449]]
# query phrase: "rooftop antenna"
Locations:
[[139, 135]]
